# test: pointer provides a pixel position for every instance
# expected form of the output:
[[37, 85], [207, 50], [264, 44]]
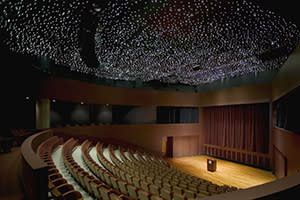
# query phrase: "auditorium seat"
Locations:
[[95, 184], [136, 182], [178, 190], [132, 172], [153, 197], [122, 187], [114, 182], [129, 178], [132, 191], [61, 190], [189, 194], [71, 195], [54, 176], [167, 194], [142, 195], [56, 182], [179, 197], [145, 186], [158, 182], [154, 189], [105, 191]]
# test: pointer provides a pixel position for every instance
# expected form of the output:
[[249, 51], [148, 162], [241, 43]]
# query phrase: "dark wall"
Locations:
[[287, 110], [19, 89], [63, 113], [134, 114], [170, 114]]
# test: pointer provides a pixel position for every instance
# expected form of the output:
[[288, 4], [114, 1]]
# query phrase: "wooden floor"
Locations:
[[229, 173]]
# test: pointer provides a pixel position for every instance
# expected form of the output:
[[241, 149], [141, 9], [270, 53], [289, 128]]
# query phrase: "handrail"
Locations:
[[34, 169], [237, 150], [232, 154]]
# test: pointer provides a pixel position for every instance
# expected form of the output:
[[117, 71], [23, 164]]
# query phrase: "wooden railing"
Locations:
[[34, 170], [256, 159]]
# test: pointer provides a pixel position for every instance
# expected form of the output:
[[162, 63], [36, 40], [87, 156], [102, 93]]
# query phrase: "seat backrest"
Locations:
[[115, 195], [177, 190], [114, 182], [189, 194], [154, 197], [167, 186], [136, 182], [179, 197], [132, 191], [107, 178], [154, 189], [56, 183], [167, 194], [129, 178], [145, 186], [142, 195], [73, 195], [95, 184], [123, 187], [104, 191], [158, 182]]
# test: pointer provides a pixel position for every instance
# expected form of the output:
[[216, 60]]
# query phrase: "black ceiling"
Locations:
[[66, 32]]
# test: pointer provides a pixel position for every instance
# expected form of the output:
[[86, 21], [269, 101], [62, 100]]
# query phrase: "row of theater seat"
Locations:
[[170, 175], [174, 184], [127, 172], [91, 184], [151, 184], [111, 178], [57, 185]]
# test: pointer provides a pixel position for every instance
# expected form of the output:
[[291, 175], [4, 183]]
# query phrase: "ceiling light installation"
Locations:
[[188, 42]]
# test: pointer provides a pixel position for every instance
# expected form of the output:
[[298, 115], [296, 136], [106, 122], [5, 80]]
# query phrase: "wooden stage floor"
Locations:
[[229, 173]]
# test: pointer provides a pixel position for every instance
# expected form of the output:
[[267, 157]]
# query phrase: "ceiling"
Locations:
[[185, 42]]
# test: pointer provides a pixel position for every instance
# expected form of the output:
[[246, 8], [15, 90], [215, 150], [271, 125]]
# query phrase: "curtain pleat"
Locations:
[[243, 127]]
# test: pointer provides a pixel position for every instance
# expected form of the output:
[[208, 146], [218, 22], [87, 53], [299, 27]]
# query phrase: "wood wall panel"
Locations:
[[74, 90], [185, 146], [238, 95], [146, 135], [78, 91], [150, 136], [288, 144], [280, 163]]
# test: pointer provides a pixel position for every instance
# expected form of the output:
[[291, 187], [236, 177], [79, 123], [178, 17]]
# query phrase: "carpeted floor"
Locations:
[[10, 175]]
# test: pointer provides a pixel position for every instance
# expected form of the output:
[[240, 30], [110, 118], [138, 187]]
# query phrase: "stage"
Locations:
[[229, 173]]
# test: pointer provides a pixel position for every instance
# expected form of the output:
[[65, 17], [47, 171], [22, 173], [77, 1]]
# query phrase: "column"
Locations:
[[42, 113]]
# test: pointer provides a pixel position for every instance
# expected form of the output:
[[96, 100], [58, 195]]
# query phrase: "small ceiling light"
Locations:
[[154, 40]]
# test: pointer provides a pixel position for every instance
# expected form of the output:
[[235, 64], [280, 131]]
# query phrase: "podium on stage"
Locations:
[[211, 165]]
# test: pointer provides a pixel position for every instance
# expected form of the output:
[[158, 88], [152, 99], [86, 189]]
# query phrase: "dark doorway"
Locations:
[[169, 152]]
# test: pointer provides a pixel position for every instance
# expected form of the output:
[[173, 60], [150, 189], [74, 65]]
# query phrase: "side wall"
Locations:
[[287, 146], [148, 136], [288, 77], [285, 143]]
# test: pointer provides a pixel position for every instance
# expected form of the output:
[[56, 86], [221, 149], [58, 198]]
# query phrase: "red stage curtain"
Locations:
[[238, 126]]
